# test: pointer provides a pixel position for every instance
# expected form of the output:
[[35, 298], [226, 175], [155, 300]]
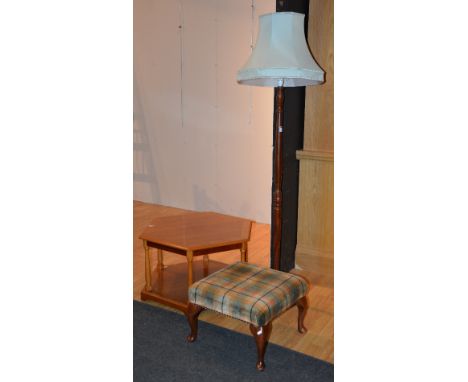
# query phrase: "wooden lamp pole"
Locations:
[[278, 177]]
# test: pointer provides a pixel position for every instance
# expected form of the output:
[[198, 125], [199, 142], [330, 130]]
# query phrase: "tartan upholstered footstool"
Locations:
[[249, 293]]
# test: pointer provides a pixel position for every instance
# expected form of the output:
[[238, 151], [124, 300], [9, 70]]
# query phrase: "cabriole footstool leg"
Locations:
[[261, 335], [302, 307], [192, 316]]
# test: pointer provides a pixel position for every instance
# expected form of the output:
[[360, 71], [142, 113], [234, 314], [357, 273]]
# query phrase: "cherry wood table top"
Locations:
[[197, 230]]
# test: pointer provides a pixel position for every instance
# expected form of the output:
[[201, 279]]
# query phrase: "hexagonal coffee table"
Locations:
[[190, 234]]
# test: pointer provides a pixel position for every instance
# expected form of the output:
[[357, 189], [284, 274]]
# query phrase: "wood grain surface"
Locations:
[[315, 233], [197, 230], [319, 109]]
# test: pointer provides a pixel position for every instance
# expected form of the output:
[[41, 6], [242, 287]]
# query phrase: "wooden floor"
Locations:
[[317, 342]]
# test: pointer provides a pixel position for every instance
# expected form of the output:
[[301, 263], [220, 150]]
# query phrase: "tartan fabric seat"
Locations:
[[248, 292]]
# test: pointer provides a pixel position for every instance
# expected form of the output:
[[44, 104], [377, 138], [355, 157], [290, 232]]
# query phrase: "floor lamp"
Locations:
[[281, 58]]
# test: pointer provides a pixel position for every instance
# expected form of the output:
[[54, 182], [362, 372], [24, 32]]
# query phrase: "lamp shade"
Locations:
[[281, 56]]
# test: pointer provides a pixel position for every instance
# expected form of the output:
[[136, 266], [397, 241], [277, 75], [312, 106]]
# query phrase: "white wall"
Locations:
[[201, 141]]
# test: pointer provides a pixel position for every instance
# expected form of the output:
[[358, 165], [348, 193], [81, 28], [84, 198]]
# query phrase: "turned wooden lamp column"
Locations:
[[281, 58]]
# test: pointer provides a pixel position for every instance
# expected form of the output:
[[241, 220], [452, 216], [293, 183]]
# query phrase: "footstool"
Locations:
[[251, 294]]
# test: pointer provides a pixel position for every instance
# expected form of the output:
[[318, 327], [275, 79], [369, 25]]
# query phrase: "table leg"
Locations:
[[147, 267], [160, 259], [244, 253], [206, 260], [190, 268]]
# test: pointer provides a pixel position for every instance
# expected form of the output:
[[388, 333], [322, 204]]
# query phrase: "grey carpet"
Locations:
[[162, 353]]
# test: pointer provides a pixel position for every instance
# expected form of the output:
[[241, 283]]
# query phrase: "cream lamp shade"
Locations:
[[281, 56]]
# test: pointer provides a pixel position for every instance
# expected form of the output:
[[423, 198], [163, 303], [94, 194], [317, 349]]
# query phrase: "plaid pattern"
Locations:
[[248, 292]]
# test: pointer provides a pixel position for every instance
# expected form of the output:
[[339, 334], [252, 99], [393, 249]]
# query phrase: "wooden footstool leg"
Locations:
[[302, 307], [192, 316], [261, 335]]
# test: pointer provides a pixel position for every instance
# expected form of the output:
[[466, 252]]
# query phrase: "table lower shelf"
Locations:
[[170, 285]]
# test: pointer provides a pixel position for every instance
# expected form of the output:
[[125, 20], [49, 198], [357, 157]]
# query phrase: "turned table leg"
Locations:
[[244, 253], [302, 308], [206, 261], [160, 265], [192, 316], [261, 335], [190, 267], [147, 267]]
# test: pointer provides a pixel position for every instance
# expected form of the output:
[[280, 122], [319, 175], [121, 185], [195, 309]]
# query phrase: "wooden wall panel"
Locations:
[[318, 124], [315, 233], [314, 250]]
